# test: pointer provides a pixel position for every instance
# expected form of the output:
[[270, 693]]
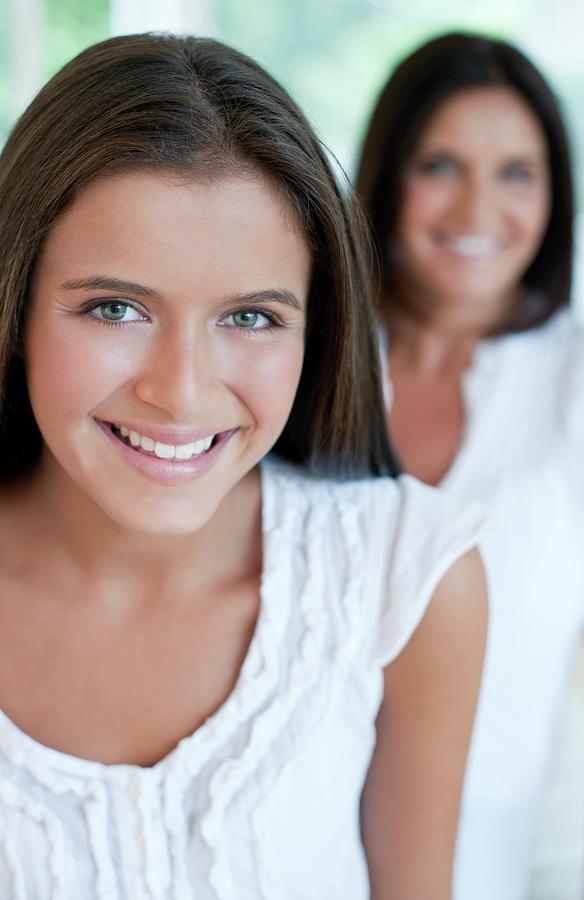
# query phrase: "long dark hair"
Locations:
[[419, 85], [187, 104]]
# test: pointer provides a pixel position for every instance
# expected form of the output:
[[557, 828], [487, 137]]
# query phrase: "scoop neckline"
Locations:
[[22, 746]]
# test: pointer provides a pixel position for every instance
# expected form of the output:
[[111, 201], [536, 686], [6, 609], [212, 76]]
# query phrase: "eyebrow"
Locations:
[[520, 156], [274, 295], [106, 283]]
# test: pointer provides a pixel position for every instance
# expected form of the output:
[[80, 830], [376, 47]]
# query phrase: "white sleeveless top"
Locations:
[[522, 458], [262, 801]]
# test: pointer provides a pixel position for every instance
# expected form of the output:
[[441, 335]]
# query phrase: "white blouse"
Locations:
[[522, 458], [262, 801]]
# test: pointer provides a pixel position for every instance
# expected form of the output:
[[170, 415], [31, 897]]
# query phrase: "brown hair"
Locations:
[[420, 84], [195, 106]]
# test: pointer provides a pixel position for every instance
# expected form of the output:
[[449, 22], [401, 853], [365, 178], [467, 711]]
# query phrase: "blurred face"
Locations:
[[164, 343], [476, 202]]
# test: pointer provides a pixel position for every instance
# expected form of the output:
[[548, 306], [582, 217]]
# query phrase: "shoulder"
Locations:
[[533, 381], [457, 606], [561, 340], [399, 535], [398, 513], [403, 512], [559, 365], [431, 553], [392, 497], [554, 345], [552, 351], [363, 498], [451, 635]]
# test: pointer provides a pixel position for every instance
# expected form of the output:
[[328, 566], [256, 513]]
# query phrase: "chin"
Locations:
[[472, 296], [160, 517]]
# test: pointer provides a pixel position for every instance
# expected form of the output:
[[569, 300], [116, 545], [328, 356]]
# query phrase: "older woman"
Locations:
[[465, 175]]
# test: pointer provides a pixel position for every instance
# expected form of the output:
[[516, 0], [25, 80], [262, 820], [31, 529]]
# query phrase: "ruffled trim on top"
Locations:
[[134, 796]]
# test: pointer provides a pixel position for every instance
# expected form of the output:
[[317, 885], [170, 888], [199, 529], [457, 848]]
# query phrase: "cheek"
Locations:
[[530, 213], [71, 370], [266, 377], [423, 205]]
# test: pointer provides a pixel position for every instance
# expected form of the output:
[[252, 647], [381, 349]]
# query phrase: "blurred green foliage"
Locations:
[[69, 26], [72, 26]]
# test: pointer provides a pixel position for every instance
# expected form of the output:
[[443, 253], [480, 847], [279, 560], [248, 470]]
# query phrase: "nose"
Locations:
[[177, 376], [476, 205]]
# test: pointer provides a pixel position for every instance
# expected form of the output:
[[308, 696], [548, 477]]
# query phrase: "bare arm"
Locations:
[[412, 794]]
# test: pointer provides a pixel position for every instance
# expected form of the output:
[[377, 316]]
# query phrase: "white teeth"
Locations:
[[163, 451], [166, 451], [184, 451], [474, 245]]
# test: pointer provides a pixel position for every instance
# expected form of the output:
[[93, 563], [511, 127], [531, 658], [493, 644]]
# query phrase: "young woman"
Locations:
[[221, 675], [465, 174]]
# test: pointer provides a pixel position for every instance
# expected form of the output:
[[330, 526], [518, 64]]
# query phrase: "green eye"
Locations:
[[115, 311], [251, 320], [245, 318]]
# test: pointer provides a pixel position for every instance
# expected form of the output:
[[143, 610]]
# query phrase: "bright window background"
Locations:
[[333, 55]]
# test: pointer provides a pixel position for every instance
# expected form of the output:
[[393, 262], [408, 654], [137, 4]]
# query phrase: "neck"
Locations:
[[434, 349], [134, 568], [428, 336]]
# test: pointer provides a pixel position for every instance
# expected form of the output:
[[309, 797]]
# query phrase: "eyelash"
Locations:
[[442, 166], [517, 174], [435, 166], [273, 320], [87, 309]]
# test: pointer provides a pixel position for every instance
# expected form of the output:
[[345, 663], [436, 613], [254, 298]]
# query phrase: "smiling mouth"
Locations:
[[472, 246], [170, 452]]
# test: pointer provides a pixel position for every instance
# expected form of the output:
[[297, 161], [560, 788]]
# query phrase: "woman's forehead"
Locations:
[[485, 117], [173, 232]]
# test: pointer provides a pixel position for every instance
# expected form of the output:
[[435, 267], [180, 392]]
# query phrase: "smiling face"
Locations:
[[476, 203], [164, 343]]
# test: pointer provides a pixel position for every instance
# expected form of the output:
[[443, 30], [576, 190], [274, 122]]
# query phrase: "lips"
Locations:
[[161, 469]]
